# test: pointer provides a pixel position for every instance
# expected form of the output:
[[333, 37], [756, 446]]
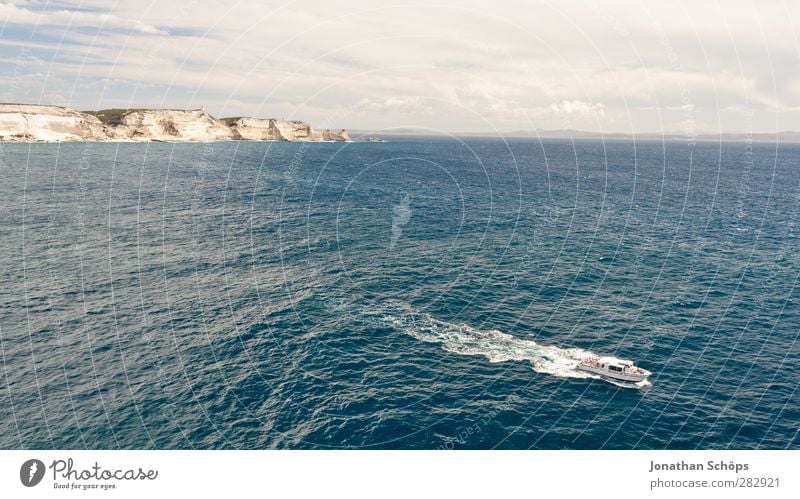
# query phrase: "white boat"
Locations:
[[611, 367]]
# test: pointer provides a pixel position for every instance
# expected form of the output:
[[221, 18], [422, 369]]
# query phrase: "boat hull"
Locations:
[[629, 377]]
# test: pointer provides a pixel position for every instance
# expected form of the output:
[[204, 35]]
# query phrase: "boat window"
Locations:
[[615, 368]]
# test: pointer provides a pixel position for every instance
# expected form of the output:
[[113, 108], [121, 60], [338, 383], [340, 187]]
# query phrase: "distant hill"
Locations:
[[782, 137]]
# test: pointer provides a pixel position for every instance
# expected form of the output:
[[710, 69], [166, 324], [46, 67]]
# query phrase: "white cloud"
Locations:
[[396, 105], [576, 107], [12, 14]]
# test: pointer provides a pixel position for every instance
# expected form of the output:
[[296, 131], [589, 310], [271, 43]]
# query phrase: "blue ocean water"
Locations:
[[429, 293]]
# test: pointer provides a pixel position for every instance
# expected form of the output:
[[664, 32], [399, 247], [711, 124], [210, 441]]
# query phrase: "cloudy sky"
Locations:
[[505, 65]]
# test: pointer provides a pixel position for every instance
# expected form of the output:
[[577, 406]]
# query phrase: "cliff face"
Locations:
[[253, 129], [27, 123], [30, 123], [274, 129], [335, 135], [294, 130], [163, 124]]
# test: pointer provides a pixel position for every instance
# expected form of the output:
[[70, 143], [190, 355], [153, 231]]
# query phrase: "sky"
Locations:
[[448, 66]]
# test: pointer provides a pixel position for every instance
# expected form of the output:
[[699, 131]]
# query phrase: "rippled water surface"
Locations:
[[418, 293]]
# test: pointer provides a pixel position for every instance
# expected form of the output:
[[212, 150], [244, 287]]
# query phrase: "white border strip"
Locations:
[[387, 474]]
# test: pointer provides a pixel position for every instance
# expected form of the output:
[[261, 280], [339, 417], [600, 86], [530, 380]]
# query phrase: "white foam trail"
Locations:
[[497, 346]]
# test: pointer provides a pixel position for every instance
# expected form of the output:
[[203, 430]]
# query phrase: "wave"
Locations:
[[497, 346]]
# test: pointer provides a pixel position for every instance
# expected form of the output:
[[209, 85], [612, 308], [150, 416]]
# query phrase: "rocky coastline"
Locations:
[[41, 123]]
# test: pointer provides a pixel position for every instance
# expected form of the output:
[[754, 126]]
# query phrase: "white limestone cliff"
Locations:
[[163, 124], [333, 135], [245, 128], [30, 123], [252, 129]]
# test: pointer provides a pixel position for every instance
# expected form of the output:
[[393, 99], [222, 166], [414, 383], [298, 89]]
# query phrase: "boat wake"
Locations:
[[497, 346]]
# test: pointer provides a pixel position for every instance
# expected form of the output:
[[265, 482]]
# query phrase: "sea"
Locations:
[[418, 293]]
